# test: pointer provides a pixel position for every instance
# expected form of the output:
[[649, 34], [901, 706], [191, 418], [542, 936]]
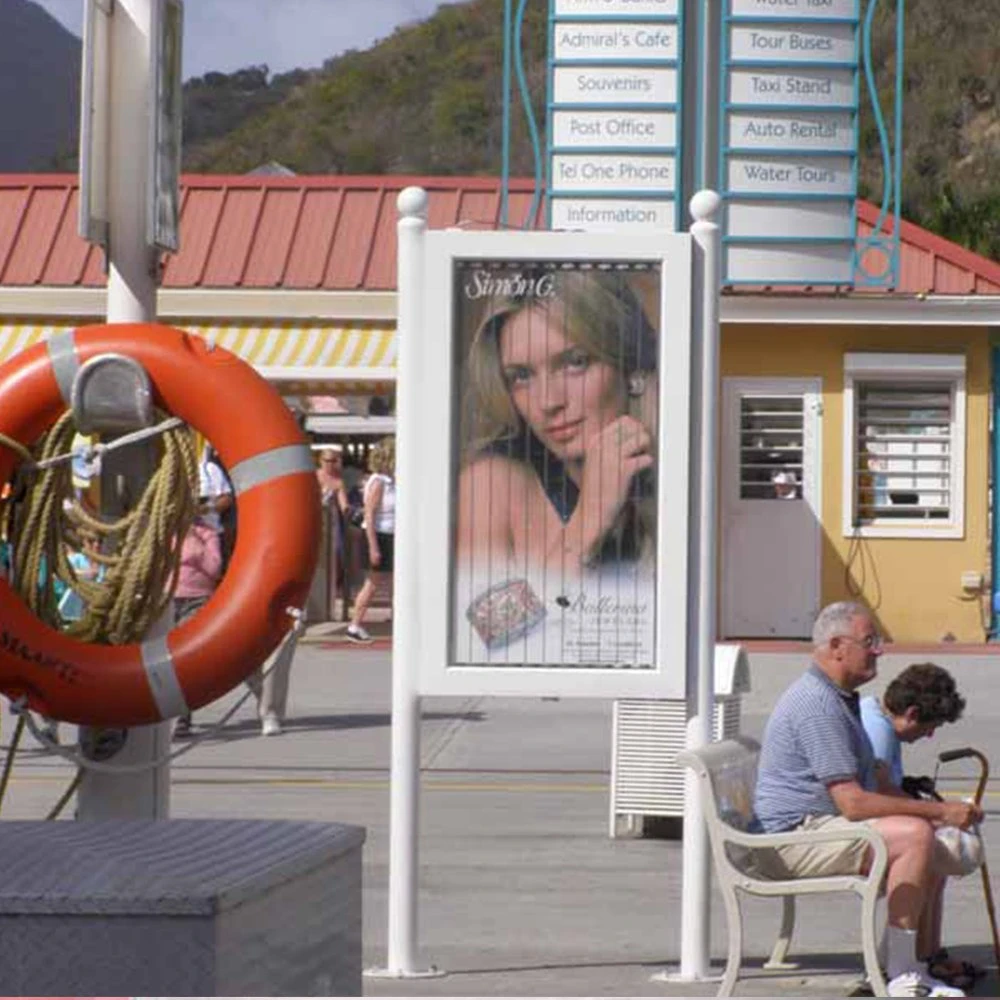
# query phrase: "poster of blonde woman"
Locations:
[[556, 479]]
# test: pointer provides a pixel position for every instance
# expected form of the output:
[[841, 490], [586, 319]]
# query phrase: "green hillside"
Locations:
[[428, 100]]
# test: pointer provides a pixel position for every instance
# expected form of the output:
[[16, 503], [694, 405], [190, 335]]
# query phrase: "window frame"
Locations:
[[946, 369]]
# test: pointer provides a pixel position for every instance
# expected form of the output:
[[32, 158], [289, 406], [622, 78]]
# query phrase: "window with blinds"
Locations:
[[771, 433], [906, 433]]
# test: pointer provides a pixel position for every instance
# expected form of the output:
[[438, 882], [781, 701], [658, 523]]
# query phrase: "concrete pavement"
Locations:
[[521, 890]]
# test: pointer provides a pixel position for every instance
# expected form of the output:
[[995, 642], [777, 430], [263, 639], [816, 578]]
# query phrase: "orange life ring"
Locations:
[[278, 508]]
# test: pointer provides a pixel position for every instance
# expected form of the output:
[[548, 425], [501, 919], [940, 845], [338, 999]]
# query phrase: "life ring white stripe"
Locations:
[[158, 663], [65, 364], [285, 461]]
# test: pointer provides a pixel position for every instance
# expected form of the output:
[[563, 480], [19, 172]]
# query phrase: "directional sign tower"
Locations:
[[614, 93], [788, 142]]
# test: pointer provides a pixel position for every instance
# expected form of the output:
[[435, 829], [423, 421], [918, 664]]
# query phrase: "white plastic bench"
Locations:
[[748, 862]]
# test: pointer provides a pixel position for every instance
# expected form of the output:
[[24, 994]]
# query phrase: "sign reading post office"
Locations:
[[555, 370]]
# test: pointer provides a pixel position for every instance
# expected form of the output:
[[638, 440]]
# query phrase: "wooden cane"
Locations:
[[984, 775]]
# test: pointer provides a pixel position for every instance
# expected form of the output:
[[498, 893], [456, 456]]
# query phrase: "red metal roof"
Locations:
[[337, 233]]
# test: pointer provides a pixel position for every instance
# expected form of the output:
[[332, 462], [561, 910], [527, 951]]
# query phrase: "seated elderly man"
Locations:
[[817, 771]]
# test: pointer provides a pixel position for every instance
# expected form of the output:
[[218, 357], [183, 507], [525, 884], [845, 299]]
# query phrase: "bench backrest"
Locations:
[[728, 770]]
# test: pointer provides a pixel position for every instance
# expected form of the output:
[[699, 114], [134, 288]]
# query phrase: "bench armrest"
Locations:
[[756, 841]]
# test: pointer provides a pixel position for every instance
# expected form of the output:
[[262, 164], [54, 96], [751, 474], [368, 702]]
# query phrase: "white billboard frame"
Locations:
[[95, 94], [435, 412], [166, 112]]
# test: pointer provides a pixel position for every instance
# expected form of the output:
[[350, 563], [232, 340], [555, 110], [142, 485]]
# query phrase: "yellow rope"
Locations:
[[139, 553]]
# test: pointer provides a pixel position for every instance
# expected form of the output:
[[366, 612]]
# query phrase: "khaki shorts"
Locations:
[[835, 857]]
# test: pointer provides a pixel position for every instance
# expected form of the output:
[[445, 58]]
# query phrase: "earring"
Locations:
[[636, 384]]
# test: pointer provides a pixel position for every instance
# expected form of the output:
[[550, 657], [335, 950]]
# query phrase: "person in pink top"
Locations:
[[199, 574]]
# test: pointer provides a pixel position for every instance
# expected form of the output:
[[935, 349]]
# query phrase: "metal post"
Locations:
[[131, 299], [404, 793], [695, 899]]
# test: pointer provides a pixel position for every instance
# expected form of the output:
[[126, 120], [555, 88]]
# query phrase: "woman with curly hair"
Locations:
[[916, 703]]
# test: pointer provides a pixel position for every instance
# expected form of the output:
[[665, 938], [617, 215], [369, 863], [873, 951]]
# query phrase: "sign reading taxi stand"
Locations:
[[613, 121]]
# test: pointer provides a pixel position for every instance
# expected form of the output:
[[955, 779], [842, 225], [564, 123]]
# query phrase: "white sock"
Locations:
[[901, 951]]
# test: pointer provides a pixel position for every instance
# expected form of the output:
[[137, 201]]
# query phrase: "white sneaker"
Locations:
[[270, 726], [919, 984], [355, 633]]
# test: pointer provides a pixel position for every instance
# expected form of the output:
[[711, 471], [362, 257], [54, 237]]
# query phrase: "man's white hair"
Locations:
[[836, 619]]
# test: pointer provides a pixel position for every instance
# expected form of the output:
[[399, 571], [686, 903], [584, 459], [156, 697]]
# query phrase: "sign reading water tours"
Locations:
[[790, 134], [614, 76]]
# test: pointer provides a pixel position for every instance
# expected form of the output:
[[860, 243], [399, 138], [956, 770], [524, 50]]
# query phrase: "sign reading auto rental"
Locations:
[[615, 93], [789, 140]]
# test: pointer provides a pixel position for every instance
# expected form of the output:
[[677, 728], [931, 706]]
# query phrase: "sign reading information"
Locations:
[[790, 85], [614, 84]]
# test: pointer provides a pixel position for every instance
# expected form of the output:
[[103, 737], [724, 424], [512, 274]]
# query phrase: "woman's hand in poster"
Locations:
[[616, 453]]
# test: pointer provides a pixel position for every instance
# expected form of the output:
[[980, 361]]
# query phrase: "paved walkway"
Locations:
[[522, 892]]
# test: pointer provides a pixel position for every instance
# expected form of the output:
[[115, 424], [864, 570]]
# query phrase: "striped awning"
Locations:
[[355, 357]]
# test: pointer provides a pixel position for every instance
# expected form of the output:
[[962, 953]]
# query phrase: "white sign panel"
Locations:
[[95, 110], [609, 85], [616, 8], [807, 87], [812, 175], [533, 606], [625, 129], [600, 42], [595, 172], [791, 43], [791, 263], [798, 10], [606, 214], [832, 131], [806, 219]]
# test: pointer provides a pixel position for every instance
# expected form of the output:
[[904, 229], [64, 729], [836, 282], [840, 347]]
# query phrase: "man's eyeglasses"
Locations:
[[869, 641]]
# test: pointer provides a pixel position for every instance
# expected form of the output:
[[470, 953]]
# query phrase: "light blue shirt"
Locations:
[[883, 737]]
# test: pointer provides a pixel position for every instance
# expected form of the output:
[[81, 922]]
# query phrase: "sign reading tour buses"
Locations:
[[565, 483]]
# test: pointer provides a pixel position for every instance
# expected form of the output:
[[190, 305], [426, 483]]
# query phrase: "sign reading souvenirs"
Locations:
[[614, 71], [789, 140], [558, 503]]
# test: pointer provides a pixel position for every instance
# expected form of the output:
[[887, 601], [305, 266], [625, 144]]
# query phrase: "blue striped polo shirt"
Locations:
[[813, 738]]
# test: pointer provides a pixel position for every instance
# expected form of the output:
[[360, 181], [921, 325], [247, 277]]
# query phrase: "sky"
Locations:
[[226, 35]]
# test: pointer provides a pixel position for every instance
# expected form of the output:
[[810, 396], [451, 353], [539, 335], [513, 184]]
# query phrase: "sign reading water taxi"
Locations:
[[789, 150], [614, 105]]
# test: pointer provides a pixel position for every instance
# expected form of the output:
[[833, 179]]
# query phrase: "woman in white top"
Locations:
[[379, 527]]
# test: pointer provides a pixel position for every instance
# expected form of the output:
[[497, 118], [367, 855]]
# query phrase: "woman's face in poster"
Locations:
[[560, 390]]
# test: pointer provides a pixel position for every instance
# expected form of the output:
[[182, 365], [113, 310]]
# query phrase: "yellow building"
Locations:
[[856, 443]]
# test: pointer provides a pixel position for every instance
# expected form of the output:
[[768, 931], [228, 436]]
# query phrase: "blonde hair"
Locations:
[[382, 457], [601, 312]]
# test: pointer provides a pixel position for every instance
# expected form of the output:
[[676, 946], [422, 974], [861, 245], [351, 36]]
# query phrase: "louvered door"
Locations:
[[770, 551]]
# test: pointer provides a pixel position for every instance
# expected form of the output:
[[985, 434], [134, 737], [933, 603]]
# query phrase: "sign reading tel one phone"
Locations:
[[596, 172], [792, 43], [614, 85], [794, 9], [615, 8], [634, 43]]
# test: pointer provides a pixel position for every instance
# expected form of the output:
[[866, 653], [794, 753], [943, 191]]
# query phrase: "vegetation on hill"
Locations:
[[428, 100]]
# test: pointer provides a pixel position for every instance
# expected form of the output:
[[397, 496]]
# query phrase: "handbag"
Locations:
[[958, 852]]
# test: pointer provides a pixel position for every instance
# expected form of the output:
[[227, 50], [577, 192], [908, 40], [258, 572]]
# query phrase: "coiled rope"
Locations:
[[139, 553]]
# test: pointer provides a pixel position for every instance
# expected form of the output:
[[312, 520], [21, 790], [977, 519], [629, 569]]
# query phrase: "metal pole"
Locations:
[[131, 299], [695, 899], [404, 792]]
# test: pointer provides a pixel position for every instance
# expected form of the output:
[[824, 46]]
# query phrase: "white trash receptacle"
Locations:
[[647, 735]]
